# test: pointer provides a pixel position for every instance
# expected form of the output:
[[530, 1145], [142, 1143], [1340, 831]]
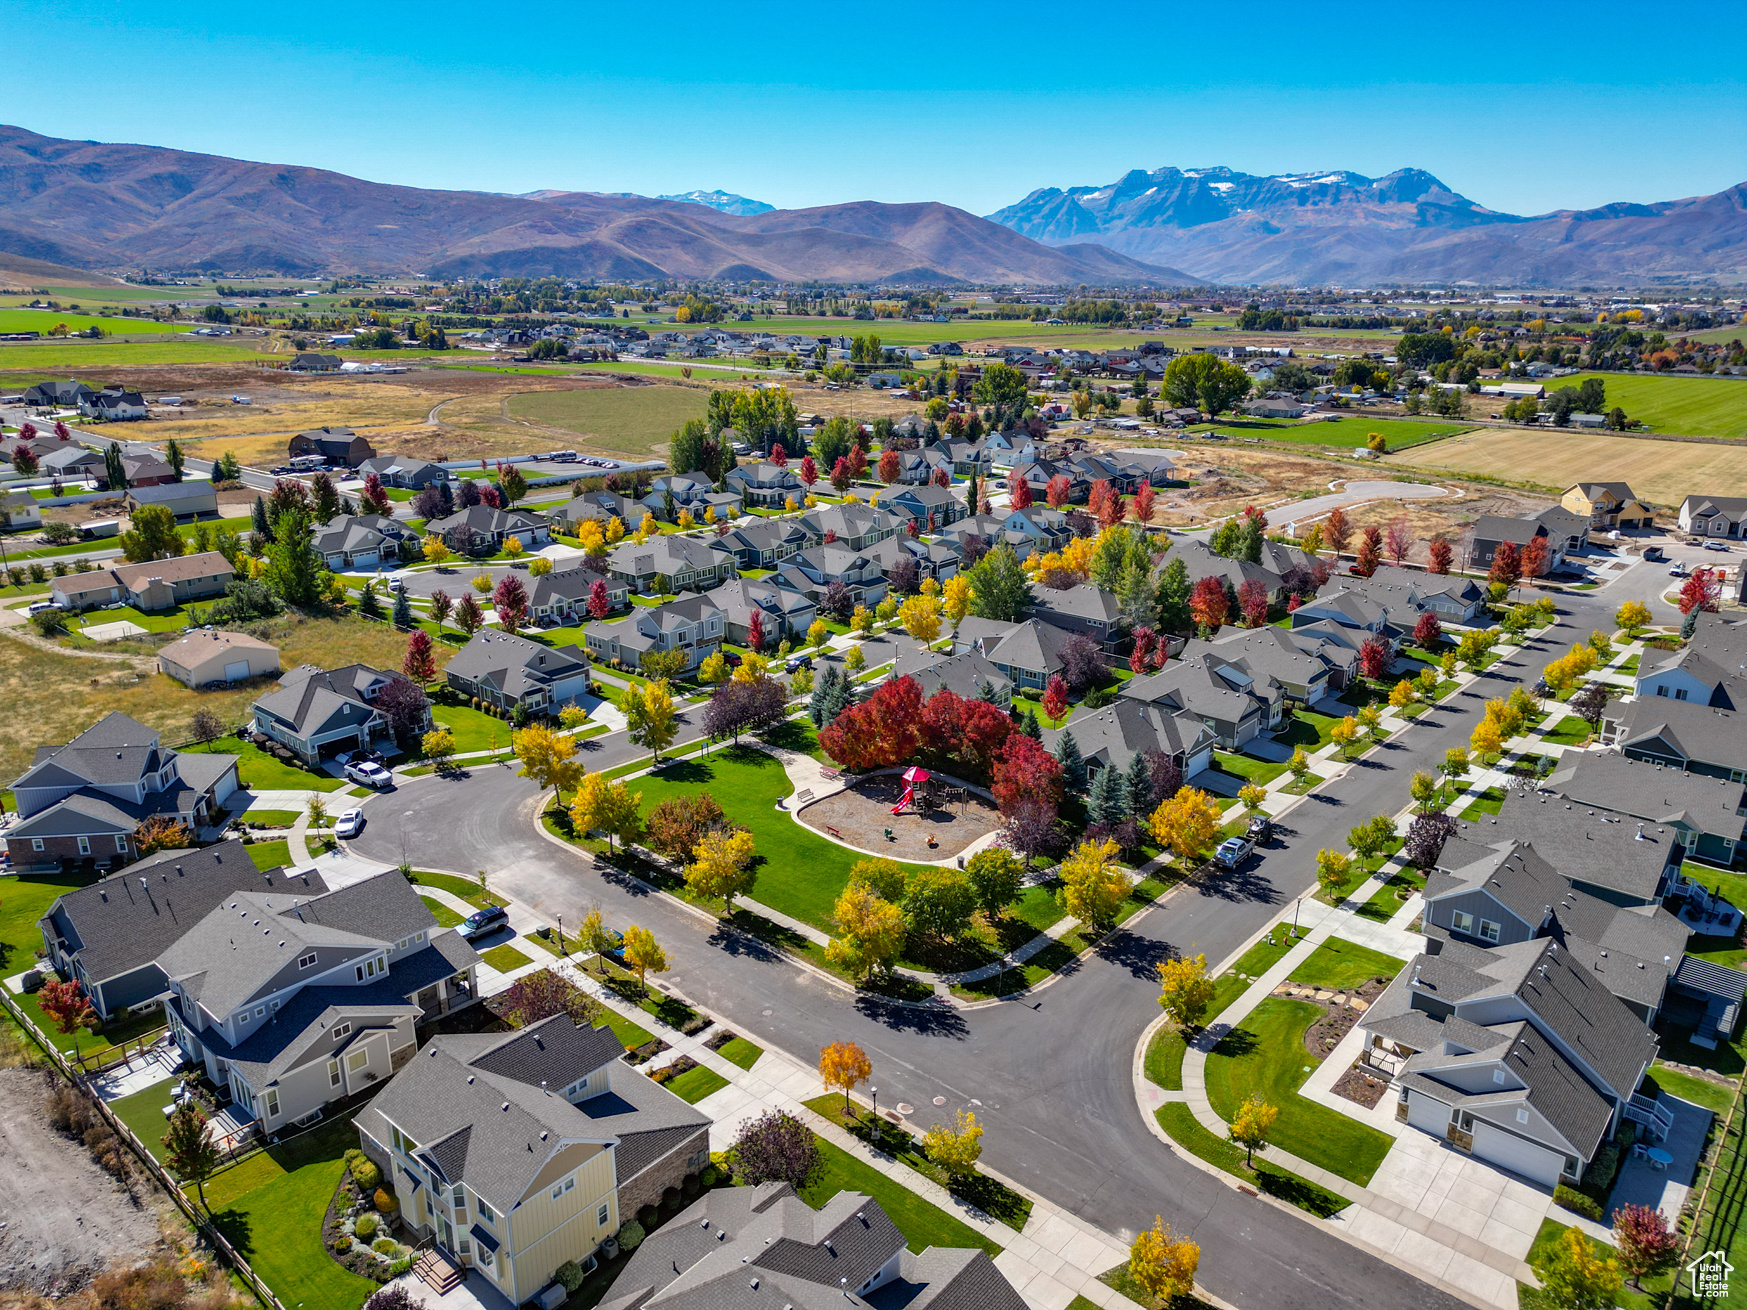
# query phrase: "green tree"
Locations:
[[152, 535], [1172, 596], [293, 568], [685, 452], [1001, 386], [188, 1151], [114, 471], [939, 902], [996, 877], [999, 587], [174, 457], [1204, 381]]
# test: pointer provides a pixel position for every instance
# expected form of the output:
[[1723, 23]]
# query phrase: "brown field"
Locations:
[[1663, 472], [50, 696]]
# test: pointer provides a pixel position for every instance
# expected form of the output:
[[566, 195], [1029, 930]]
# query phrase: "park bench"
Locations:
[[835, 833]]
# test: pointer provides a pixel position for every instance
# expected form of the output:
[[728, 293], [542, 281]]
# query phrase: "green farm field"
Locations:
[[41, 320], [625, 420], [58, 357], [1341, 433], [1683, 406]]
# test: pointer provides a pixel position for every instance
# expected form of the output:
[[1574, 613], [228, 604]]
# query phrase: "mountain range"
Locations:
[[724, 201], [1344, 228], [92, 205]]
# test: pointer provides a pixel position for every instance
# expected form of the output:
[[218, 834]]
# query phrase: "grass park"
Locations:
[[1337, 434], [1681, 406]]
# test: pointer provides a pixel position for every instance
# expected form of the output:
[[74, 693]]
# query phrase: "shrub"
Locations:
[[709, 1175], [385, 1201], [365, 1228], [631, 1235], [691, 1187], [342, 1244], [569, 1275], [395, 1269], [366, 1175], [385, 1246], [646, 1217], [1576, 1202], [393, 1298]]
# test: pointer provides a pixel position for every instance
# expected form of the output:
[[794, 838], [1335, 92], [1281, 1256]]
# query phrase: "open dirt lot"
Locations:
[[1663, 472], [864, 812], [64, 1218]]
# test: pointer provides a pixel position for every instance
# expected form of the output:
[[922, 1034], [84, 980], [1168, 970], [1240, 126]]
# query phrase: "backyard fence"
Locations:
[[80, 1078]]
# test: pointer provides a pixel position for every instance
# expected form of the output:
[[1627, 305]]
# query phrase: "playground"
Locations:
[[940, 810]]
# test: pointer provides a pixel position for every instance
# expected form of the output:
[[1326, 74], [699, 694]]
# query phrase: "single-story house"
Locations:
[[482, 530], [207, 656], [360, 541], [317, 713], [19, 509], [1714, 516], [670, 563], [186, 500], [505, 670], [159, 584], [564, 595], [402, 471]]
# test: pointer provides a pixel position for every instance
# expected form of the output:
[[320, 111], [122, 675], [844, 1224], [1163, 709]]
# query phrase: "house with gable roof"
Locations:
[[316, 713]]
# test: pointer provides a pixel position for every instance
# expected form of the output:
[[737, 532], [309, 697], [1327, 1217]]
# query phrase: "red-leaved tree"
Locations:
[[1336, 530], [1021, 494], [1144, 637], [858, 456], [1507, 564], [1374, 658], [1141, 506], [1365, 561], [600, 601], [840, 475], [968, 734], [510, 599], [883, 730], [942, 478], [755, 631], [65, 1003], [1428, 631], [1056, 493], [420, 663], [1026, 772], [779, 456], [1208, 604], [1647, 1245], [1441, 554], [889, 466], [1701, 591], [809, 473], [1398, 539], [1252, 599], [1055, 697]]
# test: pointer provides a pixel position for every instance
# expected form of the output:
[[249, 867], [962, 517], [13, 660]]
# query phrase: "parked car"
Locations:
[[349, 824], [1261, 828], [370, 774], [482, 923], [1678, 570], [801, 660], [42, 607], [1233, 851], [1653, 553], [1717, 545]]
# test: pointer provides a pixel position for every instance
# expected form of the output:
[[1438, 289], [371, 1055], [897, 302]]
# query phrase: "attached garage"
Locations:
[[1426, 1114], [1517, 1154]]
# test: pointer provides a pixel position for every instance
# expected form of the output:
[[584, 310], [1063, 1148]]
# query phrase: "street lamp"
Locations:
[[561, 949], [875, 1093], [1295, 905]]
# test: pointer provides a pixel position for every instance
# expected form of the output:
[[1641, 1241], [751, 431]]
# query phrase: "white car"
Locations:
[[371, 775], [349, 824]]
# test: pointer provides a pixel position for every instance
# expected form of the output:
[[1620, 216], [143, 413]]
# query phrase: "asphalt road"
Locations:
[[1051, 1074]]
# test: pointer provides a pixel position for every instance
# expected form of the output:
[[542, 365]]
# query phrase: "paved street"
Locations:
[[1051, 1074]]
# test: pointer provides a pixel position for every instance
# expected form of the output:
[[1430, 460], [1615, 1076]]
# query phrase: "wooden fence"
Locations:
[[81, 1079]]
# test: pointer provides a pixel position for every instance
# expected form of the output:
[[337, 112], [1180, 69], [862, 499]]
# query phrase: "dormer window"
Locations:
[[342, 1029], [307, 960]]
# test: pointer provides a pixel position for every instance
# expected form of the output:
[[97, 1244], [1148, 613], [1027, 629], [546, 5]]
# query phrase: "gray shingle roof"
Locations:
[[962, 674], [1116, 733], [1651, 792], [1695, 732], [513, 664], [1585, 844]]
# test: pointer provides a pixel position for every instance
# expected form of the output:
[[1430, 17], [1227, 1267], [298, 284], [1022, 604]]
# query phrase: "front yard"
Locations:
[[259, 771]]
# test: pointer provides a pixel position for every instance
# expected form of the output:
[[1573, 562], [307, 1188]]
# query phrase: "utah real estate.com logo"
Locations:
[[1710, 1275]]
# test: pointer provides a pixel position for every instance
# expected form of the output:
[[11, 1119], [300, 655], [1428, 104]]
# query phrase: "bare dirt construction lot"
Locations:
[[65, 1219], [862, 814], [1659, 471]]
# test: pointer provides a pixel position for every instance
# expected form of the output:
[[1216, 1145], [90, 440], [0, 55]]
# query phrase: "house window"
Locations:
[[272, 1101], [568, 1185], [1522, 1115], [1498, 1077], [1462, 921], [84, 845], [244, 1018], [36, 843], [307, 960], [601, 1215], [1488, 930], [1680, 693], [333, 1073], [121, 842], [485, 1211], [458, 1196], [1662, 691], [342, 1029], [358, 1059]]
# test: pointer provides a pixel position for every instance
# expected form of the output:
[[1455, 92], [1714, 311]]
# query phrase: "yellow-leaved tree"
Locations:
[[1163, 1264], [957, 596], [870, 932], [844, 1066], [1185, 990], [643, 954], [721, 867], [1187, 825], [955, 1147], [1093, 884], [1254, 1121]]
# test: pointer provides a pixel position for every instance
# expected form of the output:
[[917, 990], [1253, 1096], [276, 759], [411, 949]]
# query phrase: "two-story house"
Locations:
[[784, 614], [316, 713], [341, 447], [766, 485], [762, 543], [1708, 816], [1233, 699], [670, 563], [600, 507], [668, 495], [933, 507], [1707, 670], [289, 1002], [854, 526], [107, 936], [1607, 505], [1086, 609], [1111, 736], [81, 803], [506, 670], [814, 571], [159, 584], [695, 626], [518, 1152]]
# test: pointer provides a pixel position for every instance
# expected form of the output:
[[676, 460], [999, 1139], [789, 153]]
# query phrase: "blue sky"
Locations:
[[1523, 108]]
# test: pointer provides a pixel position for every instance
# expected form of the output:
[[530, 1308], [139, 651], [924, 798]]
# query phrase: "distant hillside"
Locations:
[[97, 206], [1342, 227], [725, 201]]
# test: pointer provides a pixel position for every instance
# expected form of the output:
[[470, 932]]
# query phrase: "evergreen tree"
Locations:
[[1689, 624], [1029, 726], [971, 491], [1067, 754], [1107, 804], [174, 458], [1173, 596], [293, 570], [821, 708], [368, 605], [986, 691], [1249, 539], [1138, 788], [844, 696], [258, 518], [114, 471], [402, 609]]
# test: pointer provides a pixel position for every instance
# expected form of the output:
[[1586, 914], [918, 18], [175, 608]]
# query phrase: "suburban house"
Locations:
[[291, 1001], [975, 535], [185, 500], [113, 404], [601, 507], [692, 625], [1027, 654], [81, 803], [1518, 1055], [146, 470], [968, 457], [1452, 598], [1714, 516], [933, 559], [814, 571], [1110, 737], [403, 471], [762, 543], [308, 361], [482, 530], [1047, 527], [339, 446], [1087, 609], [206, 656], [1708, 816], [506, 671], [518, 1152], [57, 395], [1607, 505], [317, 713], [69, 461], [967, 674], [1304, 669], [786, 613], [160, 584], [792, 1257], [360, 541], [1387, 613], [670, 563], [1564, 532], [20, 509], [765, 485], [1234, 698], [855, 526], [562, 596], [107, 936], [697, 495], [933, 506], [1707, 670]]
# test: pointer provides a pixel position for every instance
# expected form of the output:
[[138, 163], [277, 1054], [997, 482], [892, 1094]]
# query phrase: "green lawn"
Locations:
[[270, 854], [1714, 1097], [118, 1033], [270, 1207], [1164, 1058], [1307, 729], [1551, 1230], [1340, 965], [923, 1225], [739, 1051], [1265, 1054], [1180, 1124], [143, 1112], [799, 872], [504, 958], [631, 1035], [24, 899], [467, 889], [1255, 962], [1685, 406], [271, 818], [1490, 801], [1385, 903], [473, 730], [445, 917], [1341, 432], [258, 770], [696, 1083], [1260, 772], [1569, 731]]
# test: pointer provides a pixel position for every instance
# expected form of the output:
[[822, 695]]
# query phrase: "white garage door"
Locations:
[[1427, 1115], [1517, 1155], [237, 671]]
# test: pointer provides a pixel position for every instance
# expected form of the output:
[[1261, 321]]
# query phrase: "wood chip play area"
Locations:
[[861, 816]]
